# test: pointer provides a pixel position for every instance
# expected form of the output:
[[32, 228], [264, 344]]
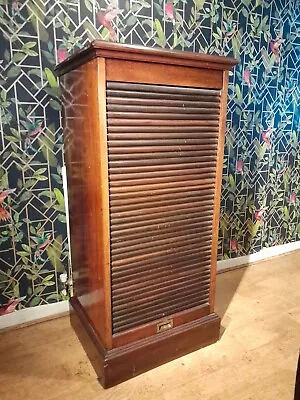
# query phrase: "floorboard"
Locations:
[[255, 358]]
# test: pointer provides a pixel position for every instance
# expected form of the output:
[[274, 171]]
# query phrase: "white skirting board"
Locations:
[[259, 256], [32, 314], [49, 310]]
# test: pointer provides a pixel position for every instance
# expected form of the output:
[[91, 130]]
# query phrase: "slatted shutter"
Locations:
[[162, 149]]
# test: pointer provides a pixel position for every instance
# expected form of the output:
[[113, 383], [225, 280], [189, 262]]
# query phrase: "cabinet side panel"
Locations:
[[85, 150], [221, 141]]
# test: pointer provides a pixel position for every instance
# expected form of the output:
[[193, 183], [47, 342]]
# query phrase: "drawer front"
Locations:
[[162, 153]]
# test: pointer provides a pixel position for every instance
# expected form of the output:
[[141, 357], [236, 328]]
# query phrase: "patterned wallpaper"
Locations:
[[260, 195]]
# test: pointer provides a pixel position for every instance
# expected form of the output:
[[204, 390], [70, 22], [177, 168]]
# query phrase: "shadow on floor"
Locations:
[[227, 284]]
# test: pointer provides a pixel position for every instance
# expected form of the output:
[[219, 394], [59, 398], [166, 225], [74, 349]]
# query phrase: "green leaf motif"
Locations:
[[238, 94], [6, 55], [131, 20], [253, 227], [4, 179], [145, 4], [40, 171], [14, 71], [55, 105], [105, 34], [11, 138], [92, 32], [199, 4], [28, 45], [51, 78], [236, 43], [62, 218], [25, 196], [49, 283], [89, 5], [46, 146], [231, 183], [37, 17], [26, 248], [60, 198], [161, 39], [17, 57], [54, 253], [35, 301]]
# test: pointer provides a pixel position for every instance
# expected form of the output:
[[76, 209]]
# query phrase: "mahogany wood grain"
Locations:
[[127, 358], [149, 329], [85, 153], [140, 72]]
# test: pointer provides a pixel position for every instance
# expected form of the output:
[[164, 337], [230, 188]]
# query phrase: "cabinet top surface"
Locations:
[[99, 48]]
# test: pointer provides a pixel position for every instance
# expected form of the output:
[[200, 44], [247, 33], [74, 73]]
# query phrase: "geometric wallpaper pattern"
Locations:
[[260, 188]]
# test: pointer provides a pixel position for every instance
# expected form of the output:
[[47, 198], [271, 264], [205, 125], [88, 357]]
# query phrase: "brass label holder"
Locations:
[[164, 325]]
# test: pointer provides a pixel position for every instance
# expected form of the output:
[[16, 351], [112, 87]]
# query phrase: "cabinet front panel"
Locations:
[[162, 153]]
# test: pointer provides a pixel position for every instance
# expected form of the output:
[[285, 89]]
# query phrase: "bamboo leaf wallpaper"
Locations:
[[261, 189]]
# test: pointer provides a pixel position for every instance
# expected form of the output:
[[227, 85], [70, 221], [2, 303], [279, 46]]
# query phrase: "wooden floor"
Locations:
[[255, 359]]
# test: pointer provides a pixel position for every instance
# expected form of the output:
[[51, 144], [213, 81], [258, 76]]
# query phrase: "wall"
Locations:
[[260, 194]]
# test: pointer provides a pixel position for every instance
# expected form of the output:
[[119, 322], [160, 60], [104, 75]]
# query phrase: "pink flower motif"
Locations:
[[293, 198], [61, 54], [169, 8], [266, 134], [10, 306], [15, 5], [258, 215], [4, 214], [239, 166], [233, 245], [247, 77]]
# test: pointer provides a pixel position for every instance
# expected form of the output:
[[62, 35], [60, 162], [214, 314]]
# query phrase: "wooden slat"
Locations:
[[164, 129], [159, 313], [153, 197], [198, 137], [157, 271], [162, 213], [120, 142], [210, 148], [206, 115], [113, 93], [140, 305], [194, 246], [129, 109], [156, 221], [138, 87], [178, 291], [151, 237], [127, 122], [142, 203], [181, 257], [163, 243], [138, 285], [169, 102], [162, 161]]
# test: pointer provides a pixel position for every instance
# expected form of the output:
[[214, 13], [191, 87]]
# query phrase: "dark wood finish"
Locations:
[[85, 153], [134, 71], [97, 49], [144, 137], [126, 361], [297, 381], [182, 285]]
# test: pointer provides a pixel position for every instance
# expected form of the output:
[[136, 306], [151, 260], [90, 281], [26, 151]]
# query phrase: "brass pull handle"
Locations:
[[164, 325]]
